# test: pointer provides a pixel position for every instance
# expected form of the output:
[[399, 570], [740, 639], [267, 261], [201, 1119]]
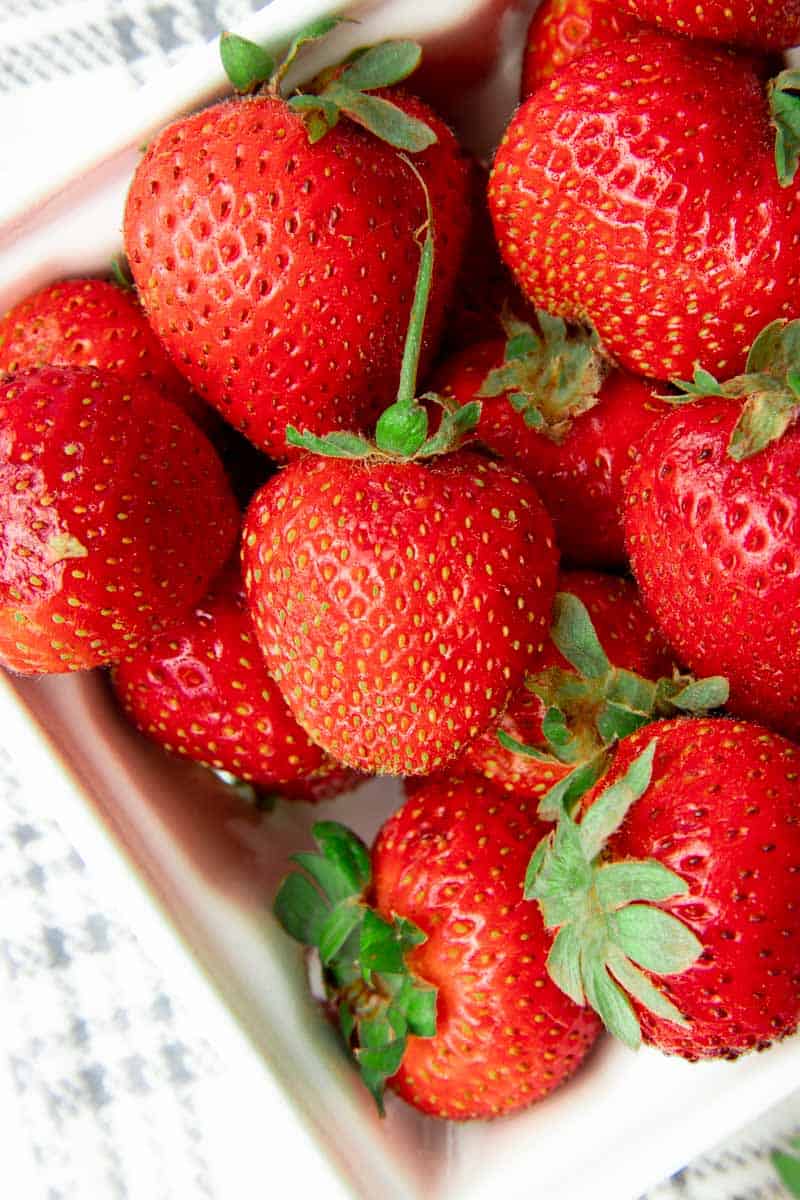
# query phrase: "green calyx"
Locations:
[[342, 90], [608, 928], [770, 389], [551, 376], [596, 704], [378, 1002], [402, 429], [788, 1167], [784, 102]]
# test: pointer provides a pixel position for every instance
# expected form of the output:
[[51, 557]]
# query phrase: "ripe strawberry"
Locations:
[[398, 604], [550, 408], [761, 24], [713, 526], [93, 323], [626, 635], [685, 862], [562, 30], [275, 255], [202, 690], [441, 987], [613, 202], [115, 514]]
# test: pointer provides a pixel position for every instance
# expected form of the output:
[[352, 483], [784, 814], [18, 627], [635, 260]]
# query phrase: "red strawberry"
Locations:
[[398, 604], [638, 191], [115, 515], [441, 988], [561, 30], [630, 641], [693, 838], [275, 255], [548, 409], [92, 323], [713, 525], [761, 24], [202, 690]]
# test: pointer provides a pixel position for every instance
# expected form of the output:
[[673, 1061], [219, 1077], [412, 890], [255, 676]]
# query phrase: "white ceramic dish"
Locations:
[[198, 873]]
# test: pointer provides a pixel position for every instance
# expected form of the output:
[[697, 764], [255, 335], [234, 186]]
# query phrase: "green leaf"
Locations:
[[555, 730], [347, 1022], [380, 948], [516, 747], [451, 430], [408, 934], [535, 866], [611, 807], [245, 63], [379, 1063], [310, 33], [564, 878], [335, 884], [764, 418], [631, 691], [616, 721], [610, 1003], [383, 119], [788, 1168], [421, 1011], [382, 66], [564, 963], [784, 101], [702, 695], [521, 345], [332, 445], [300, 909], [768, 348], [316, 104], [564, 795], [639, 986], [575, 636], [703, 384], [346, 851], [620, 883], [337, 927], [500, 380], [656, 940]]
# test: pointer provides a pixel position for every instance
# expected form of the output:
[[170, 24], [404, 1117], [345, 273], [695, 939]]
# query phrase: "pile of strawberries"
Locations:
[[495, 514]]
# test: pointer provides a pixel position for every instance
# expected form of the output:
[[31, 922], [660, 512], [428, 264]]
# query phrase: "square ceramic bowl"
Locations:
[[197, 872]]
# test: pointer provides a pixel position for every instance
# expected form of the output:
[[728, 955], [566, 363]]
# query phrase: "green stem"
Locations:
[[407, 388]]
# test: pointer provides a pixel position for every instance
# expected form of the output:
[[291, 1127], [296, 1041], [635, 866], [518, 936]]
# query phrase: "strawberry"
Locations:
[[561, 30], [93, 323], [551, 407], [621, 630], [115, 514], [373, 569], [760, 24], [713, 526], [398, 603], [275, 250], [202, 690], [612, 201], [433, 964], [676, 890]]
